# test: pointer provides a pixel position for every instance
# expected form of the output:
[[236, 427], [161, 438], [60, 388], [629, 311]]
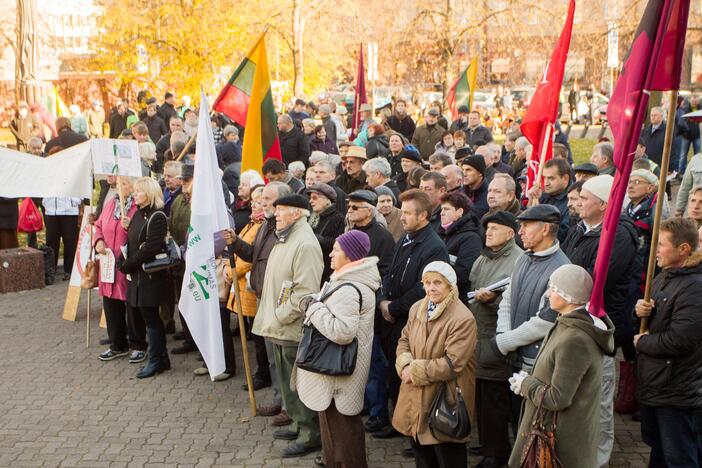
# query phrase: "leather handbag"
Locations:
[[540, 448], [446, 418], [169, 257], [89, 278], [316, 353]]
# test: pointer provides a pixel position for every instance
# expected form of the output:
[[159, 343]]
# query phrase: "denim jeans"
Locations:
[[684, 149], [377, 386], [674, 435]]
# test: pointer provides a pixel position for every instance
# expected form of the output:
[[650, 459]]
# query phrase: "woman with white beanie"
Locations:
[[440, 328], [567, 374]]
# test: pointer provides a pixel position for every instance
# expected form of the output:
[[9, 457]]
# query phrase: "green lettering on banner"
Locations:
[[193, 240], [200, 279]]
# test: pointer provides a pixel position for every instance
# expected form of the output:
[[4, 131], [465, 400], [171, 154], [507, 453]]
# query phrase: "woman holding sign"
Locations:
[[109, 236]]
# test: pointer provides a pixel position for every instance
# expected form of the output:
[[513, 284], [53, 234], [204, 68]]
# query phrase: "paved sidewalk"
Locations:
[[61, 406]]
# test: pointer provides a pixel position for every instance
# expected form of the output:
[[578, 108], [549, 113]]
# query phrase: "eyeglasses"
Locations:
[[636, 182], [356, 207]]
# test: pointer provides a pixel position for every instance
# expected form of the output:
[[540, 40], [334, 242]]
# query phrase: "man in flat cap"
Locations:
[[585, 171], [294, 270], [524, 316], [492, 395]]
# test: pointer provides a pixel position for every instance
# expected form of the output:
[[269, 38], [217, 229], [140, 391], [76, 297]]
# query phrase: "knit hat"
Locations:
[[355, 244], [648, 176], [476, 162], [383, 190], [599, 186], [442, 268], [572, 282]]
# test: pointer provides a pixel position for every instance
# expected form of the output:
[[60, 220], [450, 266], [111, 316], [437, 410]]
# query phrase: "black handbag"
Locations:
[[168, 258], [445, 419], [316, 353]]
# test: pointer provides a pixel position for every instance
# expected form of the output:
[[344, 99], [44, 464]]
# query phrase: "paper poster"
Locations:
[[83, 250], [107, 267], [116, 156]]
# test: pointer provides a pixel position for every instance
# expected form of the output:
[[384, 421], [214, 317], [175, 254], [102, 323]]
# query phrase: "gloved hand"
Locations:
[[516, 382], [305, 302]]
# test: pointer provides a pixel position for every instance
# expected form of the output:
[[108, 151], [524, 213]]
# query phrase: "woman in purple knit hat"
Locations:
[[344, 310]]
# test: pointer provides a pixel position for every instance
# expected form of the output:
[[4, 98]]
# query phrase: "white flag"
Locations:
[[199, 297]]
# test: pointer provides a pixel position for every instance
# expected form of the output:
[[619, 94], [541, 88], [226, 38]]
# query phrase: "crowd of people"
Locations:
[[418, 247]]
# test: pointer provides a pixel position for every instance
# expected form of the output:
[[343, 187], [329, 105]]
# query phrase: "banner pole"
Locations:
[[667, 145], [90, 290], [542, 157], [187, 146], [242, 331]]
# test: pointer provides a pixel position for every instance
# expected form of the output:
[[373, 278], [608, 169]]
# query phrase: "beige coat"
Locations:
[[424, 342], [394, 224], [296, 258], [338, 319]]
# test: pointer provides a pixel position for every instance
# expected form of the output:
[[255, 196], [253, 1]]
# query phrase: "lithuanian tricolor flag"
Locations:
[[247, 100], [461, 92]]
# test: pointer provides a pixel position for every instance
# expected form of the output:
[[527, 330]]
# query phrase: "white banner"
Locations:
[[63, 174], [199, 297], [110, 155]]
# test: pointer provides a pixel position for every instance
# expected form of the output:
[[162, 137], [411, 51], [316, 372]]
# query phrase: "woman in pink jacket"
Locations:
[[122, 323]]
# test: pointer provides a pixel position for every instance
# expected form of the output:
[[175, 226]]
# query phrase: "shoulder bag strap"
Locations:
[[332, 291]]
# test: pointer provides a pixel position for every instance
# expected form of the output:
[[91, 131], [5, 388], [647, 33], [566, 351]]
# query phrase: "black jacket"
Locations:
[[9, 214], [145, 290], [478, 198], [377, 146], [118, 123], [404, 127], [163, 145], [65, 139], [561, 202], [464, 241], [654, 143], [459, 124], [157, 127], [241, 212], [166, 111], [294, 146], [257, 253], [581, 248], [403, 283], [340, 197], [668, 365], [478, 137], [328, 228], [381, 244], [228, 153], [350, 184]]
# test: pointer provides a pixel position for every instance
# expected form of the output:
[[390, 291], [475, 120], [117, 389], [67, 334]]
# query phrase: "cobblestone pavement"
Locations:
[[61, 406]]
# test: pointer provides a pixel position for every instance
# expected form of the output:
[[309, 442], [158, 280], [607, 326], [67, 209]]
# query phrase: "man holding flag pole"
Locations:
[[669, 350]]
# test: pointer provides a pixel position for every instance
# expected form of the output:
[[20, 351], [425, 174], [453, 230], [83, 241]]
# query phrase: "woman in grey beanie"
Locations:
[[387, 207], [567, 374]]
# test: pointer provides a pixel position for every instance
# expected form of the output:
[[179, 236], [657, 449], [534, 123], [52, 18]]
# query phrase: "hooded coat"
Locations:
[[464, 240], [668, 366], [377, 146], [570, 362], [450, 331], [341, 318]]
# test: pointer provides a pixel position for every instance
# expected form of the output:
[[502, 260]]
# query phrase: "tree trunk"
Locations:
[[298, 27], [447, 47]]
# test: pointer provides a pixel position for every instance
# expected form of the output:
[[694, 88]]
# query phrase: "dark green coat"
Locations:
[[179, 221], [570, 361]]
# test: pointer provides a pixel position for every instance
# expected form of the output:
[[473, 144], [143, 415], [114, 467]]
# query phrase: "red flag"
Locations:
[[541, 115], [653, 63], [360, 95]]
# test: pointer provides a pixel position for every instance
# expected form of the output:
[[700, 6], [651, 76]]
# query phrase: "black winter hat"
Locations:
[[504, 218], [295, 200], [476, 162]]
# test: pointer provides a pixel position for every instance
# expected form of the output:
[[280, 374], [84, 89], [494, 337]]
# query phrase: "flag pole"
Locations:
[[187, 146], [242, 331], [667, 145], [90, 290], [542, 158]]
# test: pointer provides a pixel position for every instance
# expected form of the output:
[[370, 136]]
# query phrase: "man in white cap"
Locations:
[[581, 246]]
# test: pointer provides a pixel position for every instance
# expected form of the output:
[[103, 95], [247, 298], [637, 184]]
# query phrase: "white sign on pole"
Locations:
[[612, 45], [116, 156], [372, 61]]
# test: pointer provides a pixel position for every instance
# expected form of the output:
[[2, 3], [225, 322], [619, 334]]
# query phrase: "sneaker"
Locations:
[[111, 354], [201, 371], [137, 356]]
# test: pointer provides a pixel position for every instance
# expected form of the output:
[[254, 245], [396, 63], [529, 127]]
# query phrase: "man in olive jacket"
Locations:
[[492, 397], [670, 352], [294, 271]]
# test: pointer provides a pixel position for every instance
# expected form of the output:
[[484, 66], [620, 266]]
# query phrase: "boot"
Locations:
[[157, 349]]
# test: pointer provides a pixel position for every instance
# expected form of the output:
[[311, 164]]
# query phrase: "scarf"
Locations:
[[117, 213]]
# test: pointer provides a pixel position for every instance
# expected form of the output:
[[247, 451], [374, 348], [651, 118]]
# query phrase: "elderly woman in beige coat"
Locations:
[[439, 326], [346, 311]]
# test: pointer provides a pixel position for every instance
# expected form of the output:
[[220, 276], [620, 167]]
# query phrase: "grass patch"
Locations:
[[582, 149]]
